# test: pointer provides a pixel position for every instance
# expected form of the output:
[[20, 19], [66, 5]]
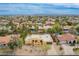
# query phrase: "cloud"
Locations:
[[39, 8]]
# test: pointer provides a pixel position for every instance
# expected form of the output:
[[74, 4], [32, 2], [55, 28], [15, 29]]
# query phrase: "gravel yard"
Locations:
[[31, 50]]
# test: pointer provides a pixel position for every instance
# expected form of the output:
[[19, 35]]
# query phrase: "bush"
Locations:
[[15, 44], [61, 48], [75, 49], [46, 47]]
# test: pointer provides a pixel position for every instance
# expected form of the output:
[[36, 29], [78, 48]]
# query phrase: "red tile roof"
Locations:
[[4, 40], [66, 37]]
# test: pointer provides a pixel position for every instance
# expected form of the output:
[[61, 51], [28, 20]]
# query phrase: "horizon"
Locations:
[[38, 9]]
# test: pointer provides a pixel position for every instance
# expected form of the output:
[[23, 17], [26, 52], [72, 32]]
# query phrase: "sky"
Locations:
[[39, 9]]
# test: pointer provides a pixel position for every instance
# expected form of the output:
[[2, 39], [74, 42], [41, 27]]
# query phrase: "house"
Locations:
[[66, 28], [35, 42], [47, 27], [40, 29], [38, 39], [39, 24], [33, 30], [3, 22], [4, 40], [3, 27], [14, 36], [73, 20], [66, 38], [49, 24]]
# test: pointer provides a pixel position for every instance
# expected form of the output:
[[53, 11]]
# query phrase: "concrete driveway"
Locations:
[[68, 50]]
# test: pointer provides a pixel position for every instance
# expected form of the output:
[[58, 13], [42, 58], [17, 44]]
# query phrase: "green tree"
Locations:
[[77, 28], [36, 27], [56, 28], [49, 30], [19, 43], [23, 34], [12, 44]]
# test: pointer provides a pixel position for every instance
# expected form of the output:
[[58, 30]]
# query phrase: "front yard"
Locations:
[[33, 50], [76, 50], [6, 51]]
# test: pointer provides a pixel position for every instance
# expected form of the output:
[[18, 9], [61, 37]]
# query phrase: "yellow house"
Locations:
[[35, 42], [38, 39]]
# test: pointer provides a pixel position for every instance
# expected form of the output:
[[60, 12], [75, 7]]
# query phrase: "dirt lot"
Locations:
[[31, 50]]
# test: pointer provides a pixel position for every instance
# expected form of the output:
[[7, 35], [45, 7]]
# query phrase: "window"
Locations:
[[41, 41], [32, 41], [49, 42], [35, 40], [4, 44]]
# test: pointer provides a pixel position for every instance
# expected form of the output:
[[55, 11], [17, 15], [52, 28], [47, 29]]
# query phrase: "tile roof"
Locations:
[[4, 40], [66, 37]]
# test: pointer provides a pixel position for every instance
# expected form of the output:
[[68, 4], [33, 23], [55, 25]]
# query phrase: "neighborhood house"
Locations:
[[4, 41], [37, 39], [66, 38]]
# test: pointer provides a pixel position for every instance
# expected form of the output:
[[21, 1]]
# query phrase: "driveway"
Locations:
[[68, 50], [52, 51]]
